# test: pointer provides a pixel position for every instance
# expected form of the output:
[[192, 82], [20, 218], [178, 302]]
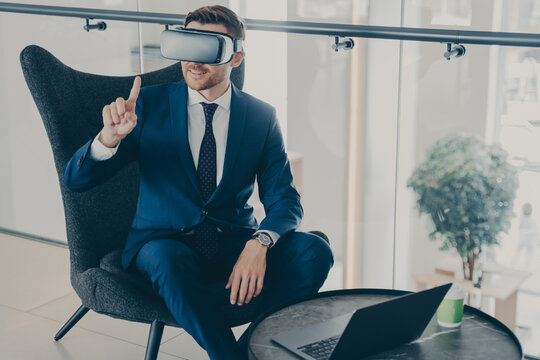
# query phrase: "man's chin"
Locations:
[[196, 86], [201, 84]]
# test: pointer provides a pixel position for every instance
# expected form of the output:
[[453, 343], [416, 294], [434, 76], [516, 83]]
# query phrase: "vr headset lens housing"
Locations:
[[206, 47]]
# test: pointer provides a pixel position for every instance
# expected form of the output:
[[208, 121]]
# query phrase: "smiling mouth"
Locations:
[[197, 73]]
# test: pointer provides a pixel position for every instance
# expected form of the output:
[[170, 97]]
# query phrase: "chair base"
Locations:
[[154, 338]]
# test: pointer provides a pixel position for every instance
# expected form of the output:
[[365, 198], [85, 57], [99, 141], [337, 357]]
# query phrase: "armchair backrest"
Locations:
[[70, 103]]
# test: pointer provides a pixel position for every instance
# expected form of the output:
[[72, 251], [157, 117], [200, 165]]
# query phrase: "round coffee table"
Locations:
[[480, 336]]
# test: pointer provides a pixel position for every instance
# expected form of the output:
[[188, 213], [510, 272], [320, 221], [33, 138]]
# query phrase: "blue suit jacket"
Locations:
[[169, 197]]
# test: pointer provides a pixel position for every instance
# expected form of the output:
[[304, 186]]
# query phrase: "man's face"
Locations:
[[203, 76]]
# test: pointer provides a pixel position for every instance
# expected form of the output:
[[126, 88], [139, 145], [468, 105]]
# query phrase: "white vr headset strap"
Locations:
[[238, 45]]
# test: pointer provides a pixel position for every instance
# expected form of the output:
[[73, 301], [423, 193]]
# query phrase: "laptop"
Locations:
[[367, 331]]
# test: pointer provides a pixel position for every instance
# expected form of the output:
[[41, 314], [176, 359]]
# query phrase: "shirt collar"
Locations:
[[224, 100]]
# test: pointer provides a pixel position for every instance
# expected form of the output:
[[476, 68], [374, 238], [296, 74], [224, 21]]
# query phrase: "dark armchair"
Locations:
[[70, 104]]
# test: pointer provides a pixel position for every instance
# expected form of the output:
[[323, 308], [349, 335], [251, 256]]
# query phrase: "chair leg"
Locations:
[[154, 340], [72, 321]]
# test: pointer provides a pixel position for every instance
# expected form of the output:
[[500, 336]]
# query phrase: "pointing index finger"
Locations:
[[135, 89]]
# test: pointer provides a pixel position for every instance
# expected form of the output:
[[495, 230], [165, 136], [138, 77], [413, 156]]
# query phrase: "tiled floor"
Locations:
[[36, 299]]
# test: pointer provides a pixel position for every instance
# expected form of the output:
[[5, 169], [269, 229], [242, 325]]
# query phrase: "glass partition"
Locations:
[[29, 191], [491, 94]]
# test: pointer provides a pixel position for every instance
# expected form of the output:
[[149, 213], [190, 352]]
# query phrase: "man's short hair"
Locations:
[[218, 14]]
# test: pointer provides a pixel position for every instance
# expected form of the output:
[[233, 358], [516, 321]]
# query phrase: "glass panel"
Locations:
[[29, 189], [490, 93], [516, 127], [376, 155], [318, 99]]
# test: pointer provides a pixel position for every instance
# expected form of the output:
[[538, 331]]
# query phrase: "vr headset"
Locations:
[[206, 47]]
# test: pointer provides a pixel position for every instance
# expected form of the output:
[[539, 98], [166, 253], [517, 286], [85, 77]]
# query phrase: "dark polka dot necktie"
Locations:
[[206, 232]]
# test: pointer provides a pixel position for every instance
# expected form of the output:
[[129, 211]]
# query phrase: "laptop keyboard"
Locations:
[[322, 349]]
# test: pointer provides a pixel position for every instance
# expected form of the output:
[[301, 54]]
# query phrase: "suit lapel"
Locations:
[[178, 108], [237, 121]]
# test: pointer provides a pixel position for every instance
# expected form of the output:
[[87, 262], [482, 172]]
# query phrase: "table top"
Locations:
[[480, 336]]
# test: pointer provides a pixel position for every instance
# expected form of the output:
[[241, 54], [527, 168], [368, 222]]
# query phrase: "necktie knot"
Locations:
[[209, 110]]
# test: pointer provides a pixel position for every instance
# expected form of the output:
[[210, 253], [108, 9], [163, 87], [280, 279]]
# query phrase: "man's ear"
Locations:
[[237, 58]]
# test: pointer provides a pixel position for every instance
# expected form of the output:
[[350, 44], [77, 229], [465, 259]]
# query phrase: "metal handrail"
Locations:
[[298, 27]]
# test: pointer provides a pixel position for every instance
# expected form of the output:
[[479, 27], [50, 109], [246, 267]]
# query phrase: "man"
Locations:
[[200, 144]]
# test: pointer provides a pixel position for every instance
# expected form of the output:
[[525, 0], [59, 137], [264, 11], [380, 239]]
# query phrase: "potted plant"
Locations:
[[468, 188]]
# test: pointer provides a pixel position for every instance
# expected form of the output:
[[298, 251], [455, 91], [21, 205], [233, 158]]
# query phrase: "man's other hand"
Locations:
[[246, 279]]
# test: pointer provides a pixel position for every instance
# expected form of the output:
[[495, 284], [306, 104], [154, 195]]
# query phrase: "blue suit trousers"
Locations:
[[296, 266]]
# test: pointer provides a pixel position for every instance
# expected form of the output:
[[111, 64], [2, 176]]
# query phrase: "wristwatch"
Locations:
[[264, 239]]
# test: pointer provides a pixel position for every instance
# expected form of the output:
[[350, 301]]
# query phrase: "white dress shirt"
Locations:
[[197, 125], [196, 128]]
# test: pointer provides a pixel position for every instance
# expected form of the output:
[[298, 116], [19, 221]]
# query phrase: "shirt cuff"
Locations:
[[100, 152], [273, 235]]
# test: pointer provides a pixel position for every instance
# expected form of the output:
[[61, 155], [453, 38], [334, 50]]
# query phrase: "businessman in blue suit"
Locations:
[[201, 143]]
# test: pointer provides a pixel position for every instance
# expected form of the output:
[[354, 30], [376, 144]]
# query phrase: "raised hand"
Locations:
[[119, 117]]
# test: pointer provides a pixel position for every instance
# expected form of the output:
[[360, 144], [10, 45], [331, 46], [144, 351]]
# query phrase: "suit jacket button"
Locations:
[[79, 162], [205, 212]]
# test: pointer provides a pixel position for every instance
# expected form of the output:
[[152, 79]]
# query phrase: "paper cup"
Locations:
[[450, 311]]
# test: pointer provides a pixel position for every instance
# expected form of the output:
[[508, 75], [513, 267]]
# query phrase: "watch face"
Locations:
[[264, 239]]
